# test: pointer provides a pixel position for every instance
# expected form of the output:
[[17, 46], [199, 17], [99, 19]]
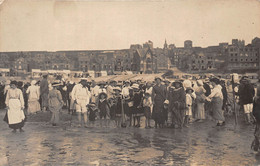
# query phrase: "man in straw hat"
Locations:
[[81, 96]]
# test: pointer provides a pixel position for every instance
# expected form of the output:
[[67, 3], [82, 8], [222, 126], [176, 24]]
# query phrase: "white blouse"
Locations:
[[216, 92]]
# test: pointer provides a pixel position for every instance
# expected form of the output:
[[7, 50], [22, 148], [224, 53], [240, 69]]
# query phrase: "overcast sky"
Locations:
[[37, 25]]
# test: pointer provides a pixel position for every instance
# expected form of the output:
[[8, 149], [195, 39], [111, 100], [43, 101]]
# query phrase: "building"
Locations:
[[243, 58], [188, 44]]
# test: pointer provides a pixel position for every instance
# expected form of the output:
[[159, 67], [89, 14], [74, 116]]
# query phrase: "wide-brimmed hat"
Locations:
[[111, 81], [189, 88], [166, 102], [200, 82], [117, 89], [215, 80], [102, 83], [156, 78], [55, 84], [206, 80], [13, 82], [92, 104], [33, 82], [177, 82], [102, 93], [135, 86], [166, 81]]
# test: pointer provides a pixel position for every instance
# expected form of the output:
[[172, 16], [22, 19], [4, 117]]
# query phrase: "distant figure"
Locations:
[[44, 90], [55, 103], [33, 98]]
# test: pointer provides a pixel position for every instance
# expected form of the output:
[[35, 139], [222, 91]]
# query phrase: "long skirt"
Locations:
[[178, 116], [44, 98], [15, 114], [200, 111], [217, 112], [33, 107], [55, 118]]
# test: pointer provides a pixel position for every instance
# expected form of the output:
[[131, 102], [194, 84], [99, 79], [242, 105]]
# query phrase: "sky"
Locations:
[[52, 25]]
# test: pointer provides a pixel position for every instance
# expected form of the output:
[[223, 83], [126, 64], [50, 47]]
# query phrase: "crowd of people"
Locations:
[[170, 104]]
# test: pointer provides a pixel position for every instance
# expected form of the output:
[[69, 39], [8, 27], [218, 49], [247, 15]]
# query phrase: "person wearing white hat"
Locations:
[[33, 92], [125, 90], [94, 89], [81, 96]]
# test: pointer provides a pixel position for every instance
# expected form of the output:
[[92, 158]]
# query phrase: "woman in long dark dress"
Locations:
[[158, 98], [177, 105]]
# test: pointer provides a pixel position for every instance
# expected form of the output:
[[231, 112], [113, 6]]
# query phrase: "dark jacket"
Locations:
[[246, 93], [256, 109]]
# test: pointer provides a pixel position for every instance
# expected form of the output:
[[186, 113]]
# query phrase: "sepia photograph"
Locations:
[[129, 82]]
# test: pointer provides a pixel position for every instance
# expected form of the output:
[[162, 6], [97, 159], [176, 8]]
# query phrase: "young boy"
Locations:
[[188, 109], [103, 110]]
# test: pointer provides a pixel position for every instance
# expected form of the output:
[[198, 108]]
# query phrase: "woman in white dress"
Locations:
[[15, 105], [33, 92], [200, 100]]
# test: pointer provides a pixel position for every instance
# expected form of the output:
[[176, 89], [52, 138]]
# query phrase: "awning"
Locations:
[[4, 70]]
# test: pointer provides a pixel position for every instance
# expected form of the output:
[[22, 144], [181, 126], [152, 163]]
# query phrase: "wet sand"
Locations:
[[200, 144]]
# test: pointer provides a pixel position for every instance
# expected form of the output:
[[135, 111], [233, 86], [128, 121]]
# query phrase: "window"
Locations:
[[235, 54], [251, 60], [236, 60], [231, 54], [241, 60], [246, 60]]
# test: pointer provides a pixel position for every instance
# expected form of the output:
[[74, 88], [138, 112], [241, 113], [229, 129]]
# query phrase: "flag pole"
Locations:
[[234, 99]]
